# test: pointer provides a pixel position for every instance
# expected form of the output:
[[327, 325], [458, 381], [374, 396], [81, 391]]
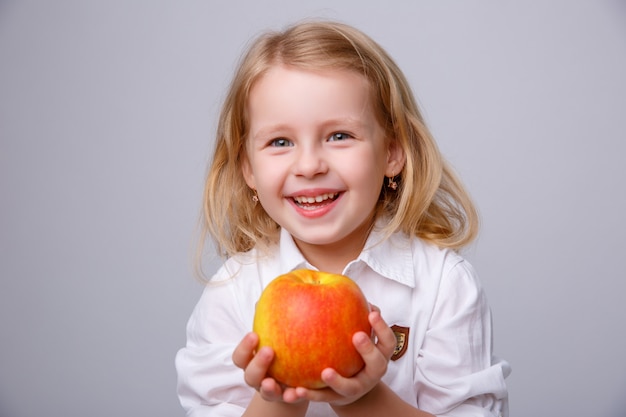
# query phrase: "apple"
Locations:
[[308, 318]]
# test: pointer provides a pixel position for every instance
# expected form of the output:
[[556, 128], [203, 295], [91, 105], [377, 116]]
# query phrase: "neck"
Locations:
[[334, 257]]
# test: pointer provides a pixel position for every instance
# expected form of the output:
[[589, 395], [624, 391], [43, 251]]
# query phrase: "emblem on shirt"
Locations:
[[402, 341]]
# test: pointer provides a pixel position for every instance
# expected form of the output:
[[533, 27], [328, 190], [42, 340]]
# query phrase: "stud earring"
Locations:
[[392, 184], [255, 198]]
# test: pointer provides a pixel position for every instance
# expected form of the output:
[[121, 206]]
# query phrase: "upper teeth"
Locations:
[[316, 199]]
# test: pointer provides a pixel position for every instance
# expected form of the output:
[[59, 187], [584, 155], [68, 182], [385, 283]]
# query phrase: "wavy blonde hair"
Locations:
[[430, 201]]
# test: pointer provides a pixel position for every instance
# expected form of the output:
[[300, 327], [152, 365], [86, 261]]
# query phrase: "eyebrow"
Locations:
[[270, 131], [349, 123]]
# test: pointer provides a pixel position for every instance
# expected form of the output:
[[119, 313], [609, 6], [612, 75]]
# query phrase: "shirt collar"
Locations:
[[290, 256], [391, 258]]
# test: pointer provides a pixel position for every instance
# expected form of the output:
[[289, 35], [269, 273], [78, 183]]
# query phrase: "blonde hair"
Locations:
[[430, 201]]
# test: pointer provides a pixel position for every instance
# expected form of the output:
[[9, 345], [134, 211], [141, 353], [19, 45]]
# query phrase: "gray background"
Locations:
[[106, 115]]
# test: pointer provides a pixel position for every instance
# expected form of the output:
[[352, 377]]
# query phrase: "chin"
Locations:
[[317, 238]]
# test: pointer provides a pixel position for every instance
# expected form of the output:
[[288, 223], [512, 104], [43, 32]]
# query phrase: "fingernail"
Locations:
[[328, 375], [361, 338], [265, 352]]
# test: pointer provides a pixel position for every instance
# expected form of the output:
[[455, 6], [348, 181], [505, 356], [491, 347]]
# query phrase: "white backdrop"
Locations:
[[107, 109]]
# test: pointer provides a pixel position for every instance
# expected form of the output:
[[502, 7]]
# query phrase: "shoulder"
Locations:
[[243, 276], [263, 265], [458, 286], [243, 266], [445, 268], [234, 267], [411, 260], [428, 255], [229, 296]]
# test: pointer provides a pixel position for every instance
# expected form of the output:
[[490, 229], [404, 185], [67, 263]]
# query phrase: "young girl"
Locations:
[[323, 161]]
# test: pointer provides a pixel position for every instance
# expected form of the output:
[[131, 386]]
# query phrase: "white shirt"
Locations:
[[447, 368]]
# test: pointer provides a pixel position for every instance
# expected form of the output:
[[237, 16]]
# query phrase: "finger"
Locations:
[[375, 359], [345, 387], [270, 390], [290, 395], [341, 390], [374, 308], [256, 371], [326, 395], [244, 352], [376, 362], [386, 338]]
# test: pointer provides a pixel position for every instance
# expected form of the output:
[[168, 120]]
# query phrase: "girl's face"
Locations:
[[317, 157]]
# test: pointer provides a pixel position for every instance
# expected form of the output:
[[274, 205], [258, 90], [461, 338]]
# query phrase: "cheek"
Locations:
[[370, 165], [268, 176], [367, 177]]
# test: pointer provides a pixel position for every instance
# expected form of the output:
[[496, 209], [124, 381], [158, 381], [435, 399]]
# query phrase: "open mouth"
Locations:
[[311, 203]]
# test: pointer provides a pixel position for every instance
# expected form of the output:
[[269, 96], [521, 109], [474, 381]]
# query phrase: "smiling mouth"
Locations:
[[311, 203]]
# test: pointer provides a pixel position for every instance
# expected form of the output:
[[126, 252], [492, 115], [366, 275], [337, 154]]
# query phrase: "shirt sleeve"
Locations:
[[456, 373], [209, 384]]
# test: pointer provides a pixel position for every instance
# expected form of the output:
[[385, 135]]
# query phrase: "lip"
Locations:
[[317, 209], [313, 192]]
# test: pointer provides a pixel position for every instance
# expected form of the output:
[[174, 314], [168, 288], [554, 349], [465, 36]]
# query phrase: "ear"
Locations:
[[246, 170], [396, 158]]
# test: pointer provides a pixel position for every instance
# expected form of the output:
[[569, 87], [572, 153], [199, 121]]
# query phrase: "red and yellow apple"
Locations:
[[308, 318]]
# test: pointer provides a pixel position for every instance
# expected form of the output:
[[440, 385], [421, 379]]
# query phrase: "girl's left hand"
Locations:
[[343, 391]]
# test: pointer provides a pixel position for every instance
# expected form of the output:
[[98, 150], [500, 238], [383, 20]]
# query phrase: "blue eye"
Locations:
[[339, 136], [280, 142]]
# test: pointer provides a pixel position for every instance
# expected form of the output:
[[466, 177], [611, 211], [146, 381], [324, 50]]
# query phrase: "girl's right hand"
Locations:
[[256, 365]]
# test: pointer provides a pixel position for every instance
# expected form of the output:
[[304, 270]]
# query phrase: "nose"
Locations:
[[310, 162]]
